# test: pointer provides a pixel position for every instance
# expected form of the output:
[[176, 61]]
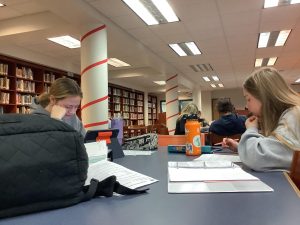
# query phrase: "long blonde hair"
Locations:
[[268, 86], [189, 109], [60, 89]]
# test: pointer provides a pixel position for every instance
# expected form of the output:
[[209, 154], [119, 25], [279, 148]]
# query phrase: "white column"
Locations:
[[172, 102], [197, 97], [146, 110], [94, 79]]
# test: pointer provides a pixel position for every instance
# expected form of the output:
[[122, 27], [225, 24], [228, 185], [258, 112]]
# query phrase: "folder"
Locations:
[[204, 177]]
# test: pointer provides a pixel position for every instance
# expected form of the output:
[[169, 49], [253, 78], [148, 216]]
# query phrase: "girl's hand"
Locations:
[[252, 121], [58, 112], [230, 143]]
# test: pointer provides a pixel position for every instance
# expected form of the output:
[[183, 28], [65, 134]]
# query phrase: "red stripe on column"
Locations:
[[172, 116], [92, 31], [171, 101], [172, 88], [171, 130], [93, 65], [95, 124], [171, 77], [94, 102]]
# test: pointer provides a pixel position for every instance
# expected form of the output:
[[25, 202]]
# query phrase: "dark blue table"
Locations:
[[157, 207]]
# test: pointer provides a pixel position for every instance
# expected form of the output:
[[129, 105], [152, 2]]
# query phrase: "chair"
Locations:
[[165, 140], [215, 138], [295, 169]]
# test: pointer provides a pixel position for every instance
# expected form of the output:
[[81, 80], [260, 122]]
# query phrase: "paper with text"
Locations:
[[126, 177], [96, 151]]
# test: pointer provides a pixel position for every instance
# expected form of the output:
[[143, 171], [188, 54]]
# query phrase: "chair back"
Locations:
[[295, 169], [215, 138], [165, 140]]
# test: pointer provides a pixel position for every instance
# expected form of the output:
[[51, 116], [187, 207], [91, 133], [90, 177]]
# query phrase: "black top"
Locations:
[[228, 125], [180, 124]]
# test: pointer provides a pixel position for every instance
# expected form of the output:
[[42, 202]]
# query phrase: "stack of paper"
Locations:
[[217, 176], [126, 177]]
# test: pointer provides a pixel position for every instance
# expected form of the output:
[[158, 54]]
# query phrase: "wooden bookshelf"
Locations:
[[21, 80], [152, 109], [127, 103]]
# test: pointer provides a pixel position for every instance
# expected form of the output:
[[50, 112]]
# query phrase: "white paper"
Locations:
[[126, 177], [218, 187], [202, 164], [96, 151], [209, 175], [219, 157], [136, 152]]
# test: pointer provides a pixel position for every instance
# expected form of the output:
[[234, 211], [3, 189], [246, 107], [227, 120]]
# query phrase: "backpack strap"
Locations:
[[107, 187]]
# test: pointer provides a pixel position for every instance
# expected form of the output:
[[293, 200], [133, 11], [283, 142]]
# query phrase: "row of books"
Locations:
[[24, 85], [49, 77], [24, 99], [24, 72], [4, 83], [4, 98], [3, 69], [23, 110]]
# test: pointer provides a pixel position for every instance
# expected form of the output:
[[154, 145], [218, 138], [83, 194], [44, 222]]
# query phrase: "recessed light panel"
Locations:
[[153, 12], [66, 41]]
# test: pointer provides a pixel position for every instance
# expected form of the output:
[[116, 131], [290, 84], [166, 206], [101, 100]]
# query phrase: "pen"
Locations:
[[219, 143]]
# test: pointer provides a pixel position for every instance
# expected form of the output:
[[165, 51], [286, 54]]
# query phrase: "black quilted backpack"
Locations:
[[43, 165]]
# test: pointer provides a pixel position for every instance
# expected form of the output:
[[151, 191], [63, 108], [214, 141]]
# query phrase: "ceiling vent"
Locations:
[[202, 67]]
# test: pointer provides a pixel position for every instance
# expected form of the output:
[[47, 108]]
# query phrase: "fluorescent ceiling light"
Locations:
[[272, 61], [283, 35], [193, 47], [185, 48], [166, 10], [160, 82], [153, 12], [271, 3], [263, 39], [265, 61], [66, 41], [2, 5], [117, 63], [206, 79], [215, 78], [221, 85], [297, 81], [213, 85], [295, 1], [258, 62], [141, 11], [178, 49]]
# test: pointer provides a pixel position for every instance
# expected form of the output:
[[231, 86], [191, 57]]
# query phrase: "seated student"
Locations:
[[276, 111], [189, 109], [61, 103], [229, 122]]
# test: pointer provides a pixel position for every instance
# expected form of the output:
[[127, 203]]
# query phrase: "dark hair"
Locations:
[[224, 105]]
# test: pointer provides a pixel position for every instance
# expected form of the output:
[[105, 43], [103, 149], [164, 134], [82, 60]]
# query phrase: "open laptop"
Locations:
[[115, 146]]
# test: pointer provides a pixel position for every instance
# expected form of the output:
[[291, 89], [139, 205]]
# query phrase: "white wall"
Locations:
[[236, 96]]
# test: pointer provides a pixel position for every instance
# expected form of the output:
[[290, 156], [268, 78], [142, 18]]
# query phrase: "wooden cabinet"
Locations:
[[127, 103], [20, 81], [152, 109]]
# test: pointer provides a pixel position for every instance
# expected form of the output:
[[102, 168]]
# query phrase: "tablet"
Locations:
[[115, 146]]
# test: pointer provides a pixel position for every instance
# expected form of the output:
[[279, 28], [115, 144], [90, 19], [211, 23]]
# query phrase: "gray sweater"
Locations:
[[274, 152], [73, 121]]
